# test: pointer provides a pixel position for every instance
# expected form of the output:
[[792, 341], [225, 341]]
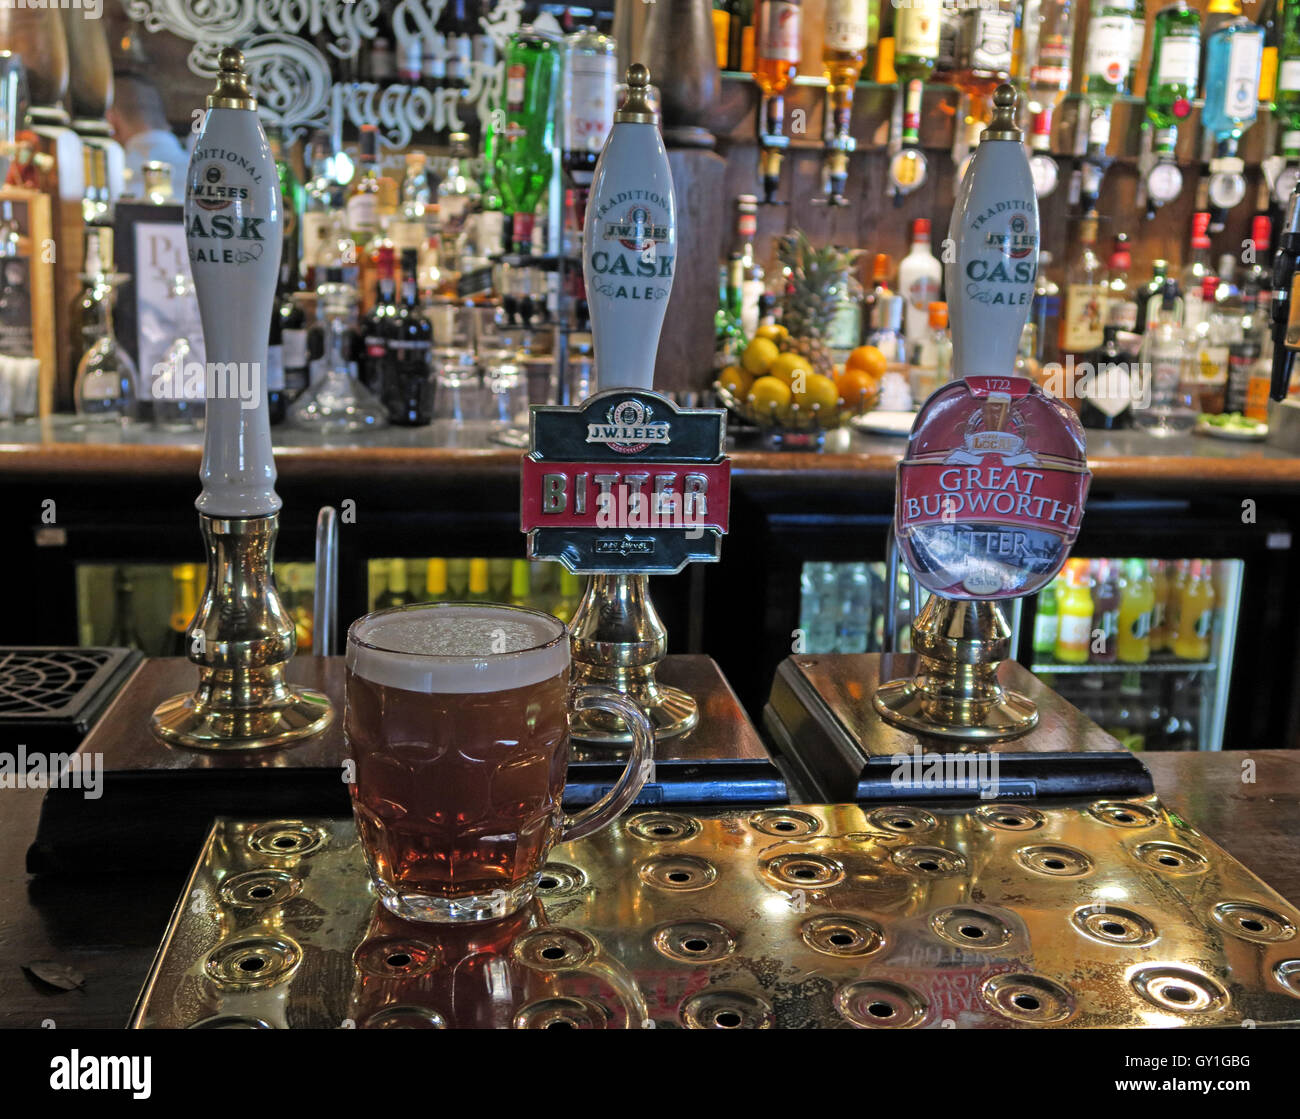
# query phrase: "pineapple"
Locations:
[[817, 278]]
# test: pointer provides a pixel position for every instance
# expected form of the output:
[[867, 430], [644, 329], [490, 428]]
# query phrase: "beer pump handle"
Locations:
[[232, 231], [992, 248], [630, 242], [1281, 309]]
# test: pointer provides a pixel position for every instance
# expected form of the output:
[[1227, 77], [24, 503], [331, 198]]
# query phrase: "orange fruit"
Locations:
[[736, 381], [788, 364], [869, 359], [856, 386], [759, 355], [818, 390], [770, 394]]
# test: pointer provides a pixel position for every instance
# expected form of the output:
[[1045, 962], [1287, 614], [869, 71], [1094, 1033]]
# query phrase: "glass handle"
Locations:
[[634, 774]]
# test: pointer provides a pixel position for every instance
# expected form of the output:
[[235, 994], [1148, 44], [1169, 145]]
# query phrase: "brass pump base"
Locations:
[[242, 639], [955, 692], [617, 641]]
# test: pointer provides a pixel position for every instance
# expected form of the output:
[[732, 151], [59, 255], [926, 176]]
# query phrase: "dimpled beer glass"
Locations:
[[457, 724]]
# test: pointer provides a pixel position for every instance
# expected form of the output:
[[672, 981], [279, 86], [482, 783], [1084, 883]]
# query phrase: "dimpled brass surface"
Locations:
[[1083, 914]]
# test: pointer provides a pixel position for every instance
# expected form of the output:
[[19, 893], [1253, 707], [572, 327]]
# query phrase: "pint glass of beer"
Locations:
[[457, 724]]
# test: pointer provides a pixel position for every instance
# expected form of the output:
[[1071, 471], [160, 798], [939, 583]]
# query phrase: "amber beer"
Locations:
[[457, 727]]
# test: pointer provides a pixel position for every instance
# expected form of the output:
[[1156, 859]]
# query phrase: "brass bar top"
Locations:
[[1129, 460]]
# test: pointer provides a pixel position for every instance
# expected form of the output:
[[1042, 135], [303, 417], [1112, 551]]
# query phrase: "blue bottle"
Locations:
[[1232, 80]]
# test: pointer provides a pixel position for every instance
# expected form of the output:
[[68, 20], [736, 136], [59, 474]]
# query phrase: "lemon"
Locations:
[[759, 355], [773, 331], [817, 390], [787, 365], [736, 381], [770, 394]]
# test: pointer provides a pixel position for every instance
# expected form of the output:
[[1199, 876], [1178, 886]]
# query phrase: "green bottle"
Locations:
[[916, 38], [1175, 58], [525, 155], [293, 197], [1108, 54], [1046, 619], [1287, 97]]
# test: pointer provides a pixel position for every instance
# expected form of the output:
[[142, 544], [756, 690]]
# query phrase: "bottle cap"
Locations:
[[636, 105], [880, 267], [1261, 232], [921, 229], [938, 315], [1209, 285], [232, 90], [1201, 230]]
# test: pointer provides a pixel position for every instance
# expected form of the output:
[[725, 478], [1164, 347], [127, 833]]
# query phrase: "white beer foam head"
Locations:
[[451, 648]]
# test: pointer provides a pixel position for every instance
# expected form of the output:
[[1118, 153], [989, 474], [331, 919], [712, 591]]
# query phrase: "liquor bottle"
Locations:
[[460, 43], [1121, 311], [848, 31], [292, 199], [1172, 407], [1045, 310], [1074, 610], [1195, 614], [363, 197], [122, 630], [984, 48], [1198, 266], [293, 340], [396, 591], [1175, 65], [932, 357], [1287, 96], [776, 58], [1085, 294], [1136, 607], [459, 197], [916, 39], [881, 266], [185, 604], [1105, 613], [1106, 397], [410, 56], [408, 334], [374, 326], [412, 225], [745, 277], [1217, 13], [524, 156], [277, 400], [1138, 43], [920, 275], [320, 203], [1208, 340], [1258, 274], [590, 76], [1175, 583], [1270, 23], [1047, 42], [1109, 50], [1232, 81], [1148, 296], [1244, 352], [1046, 617]]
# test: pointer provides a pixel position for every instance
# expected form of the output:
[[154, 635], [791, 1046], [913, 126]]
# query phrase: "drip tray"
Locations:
[[148, 786], [899, 915]]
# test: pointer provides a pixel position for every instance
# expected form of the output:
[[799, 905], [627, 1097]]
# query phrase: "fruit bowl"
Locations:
[[792, 405]]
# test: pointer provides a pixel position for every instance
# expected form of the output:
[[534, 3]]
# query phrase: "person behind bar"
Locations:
[[139, 123]]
